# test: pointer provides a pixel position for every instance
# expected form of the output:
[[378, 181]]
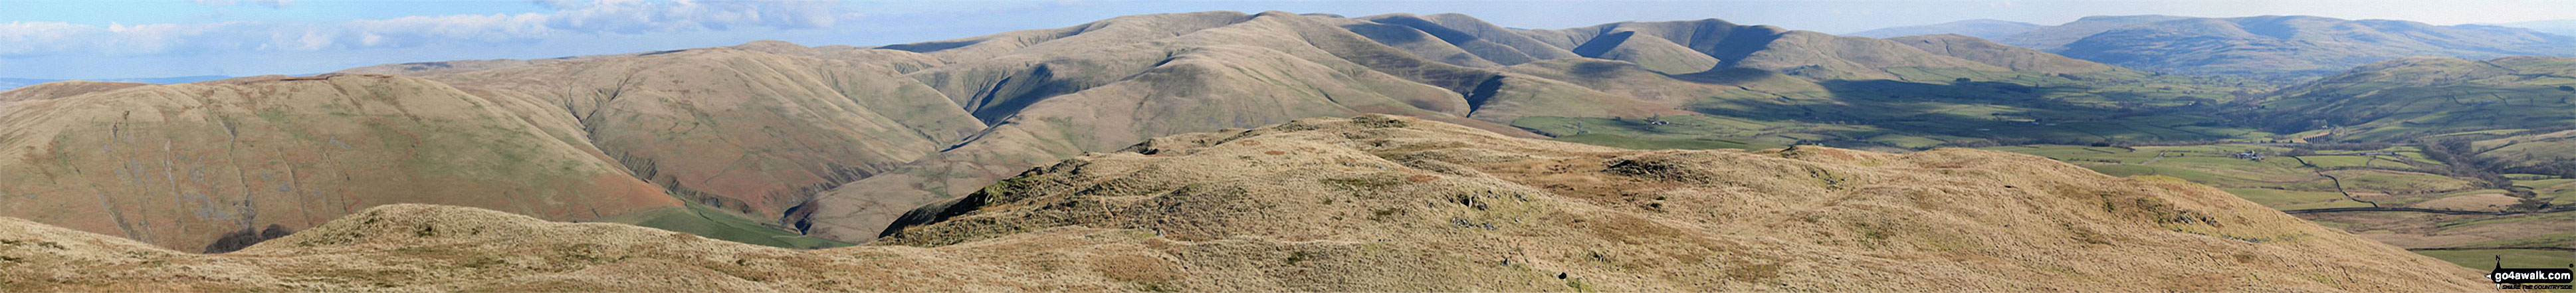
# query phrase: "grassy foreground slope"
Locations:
[[1374, 203]]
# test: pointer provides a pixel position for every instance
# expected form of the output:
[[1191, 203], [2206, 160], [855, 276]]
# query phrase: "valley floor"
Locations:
[[2394, 194]]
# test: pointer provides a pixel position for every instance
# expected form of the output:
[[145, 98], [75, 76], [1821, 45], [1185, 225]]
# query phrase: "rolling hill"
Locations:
[[2563, 27], [2301, 44], [2511, 113], [1411, 205], [783, 144], [2055, 37], [185, 166], [1056, 93], [2409, 98], [15, 83], [2277, 47]]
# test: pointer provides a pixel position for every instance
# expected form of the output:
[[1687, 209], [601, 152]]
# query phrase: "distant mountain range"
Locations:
[[1981, 28], [15, 83], [2564, 27], [2292, 46]]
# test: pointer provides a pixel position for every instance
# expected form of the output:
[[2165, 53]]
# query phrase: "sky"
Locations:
[[105, 39]]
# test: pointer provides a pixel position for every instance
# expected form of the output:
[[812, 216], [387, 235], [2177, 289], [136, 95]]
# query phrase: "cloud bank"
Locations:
[[568, 17]]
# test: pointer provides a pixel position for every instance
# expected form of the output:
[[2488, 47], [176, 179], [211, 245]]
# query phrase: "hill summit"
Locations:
[[1368, 203]]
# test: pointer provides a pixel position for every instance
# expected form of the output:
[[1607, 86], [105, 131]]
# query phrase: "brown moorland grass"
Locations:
[[1374, 203]]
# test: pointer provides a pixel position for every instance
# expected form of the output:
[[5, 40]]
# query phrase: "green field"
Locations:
[[1629, 142], [2483, 259], [712, 223], [2395, 176], [1915, 112]]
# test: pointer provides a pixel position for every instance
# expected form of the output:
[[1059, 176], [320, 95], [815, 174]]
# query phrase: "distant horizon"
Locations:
[[65, 39], [2503, 24]]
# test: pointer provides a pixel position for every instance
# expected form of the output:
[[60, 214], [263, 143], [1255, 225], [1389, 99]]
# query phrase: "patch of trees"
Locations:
[[2463, 164], [2561, 168], [236, 240]]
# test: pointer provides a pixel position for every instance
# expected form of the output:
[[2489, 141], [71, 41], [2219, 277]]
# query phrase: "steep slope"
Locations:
[[1374, 203], [588, 138], [1978, 28], [1428, 45], [786, 127], [1654, 53], [1486, 40], [183, 166]]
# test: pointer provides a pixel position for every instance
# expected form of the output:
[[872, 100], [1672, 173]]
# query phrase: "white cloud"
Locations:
[[569, 17]]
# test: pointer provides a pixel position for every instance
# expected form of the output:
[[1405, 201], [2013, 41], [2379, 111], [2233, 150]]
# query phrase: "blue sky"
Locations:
[[98, 39]]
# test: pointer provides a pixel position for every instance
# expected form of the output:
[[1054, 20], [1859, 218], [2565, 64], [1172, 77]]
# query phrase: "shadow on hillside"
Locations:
[[1996, 112]]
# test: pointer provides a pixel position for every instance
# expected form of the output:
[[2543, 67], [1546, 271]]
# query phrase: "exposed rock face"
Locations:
[[1374, 203]]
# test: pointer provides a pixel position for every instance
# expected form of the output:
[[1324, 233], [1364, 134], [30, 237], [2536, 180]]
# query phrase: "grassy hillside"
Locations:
[[2509, 114], [1226, 181], [1402, 204], [1989, 109], [190, 166]]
